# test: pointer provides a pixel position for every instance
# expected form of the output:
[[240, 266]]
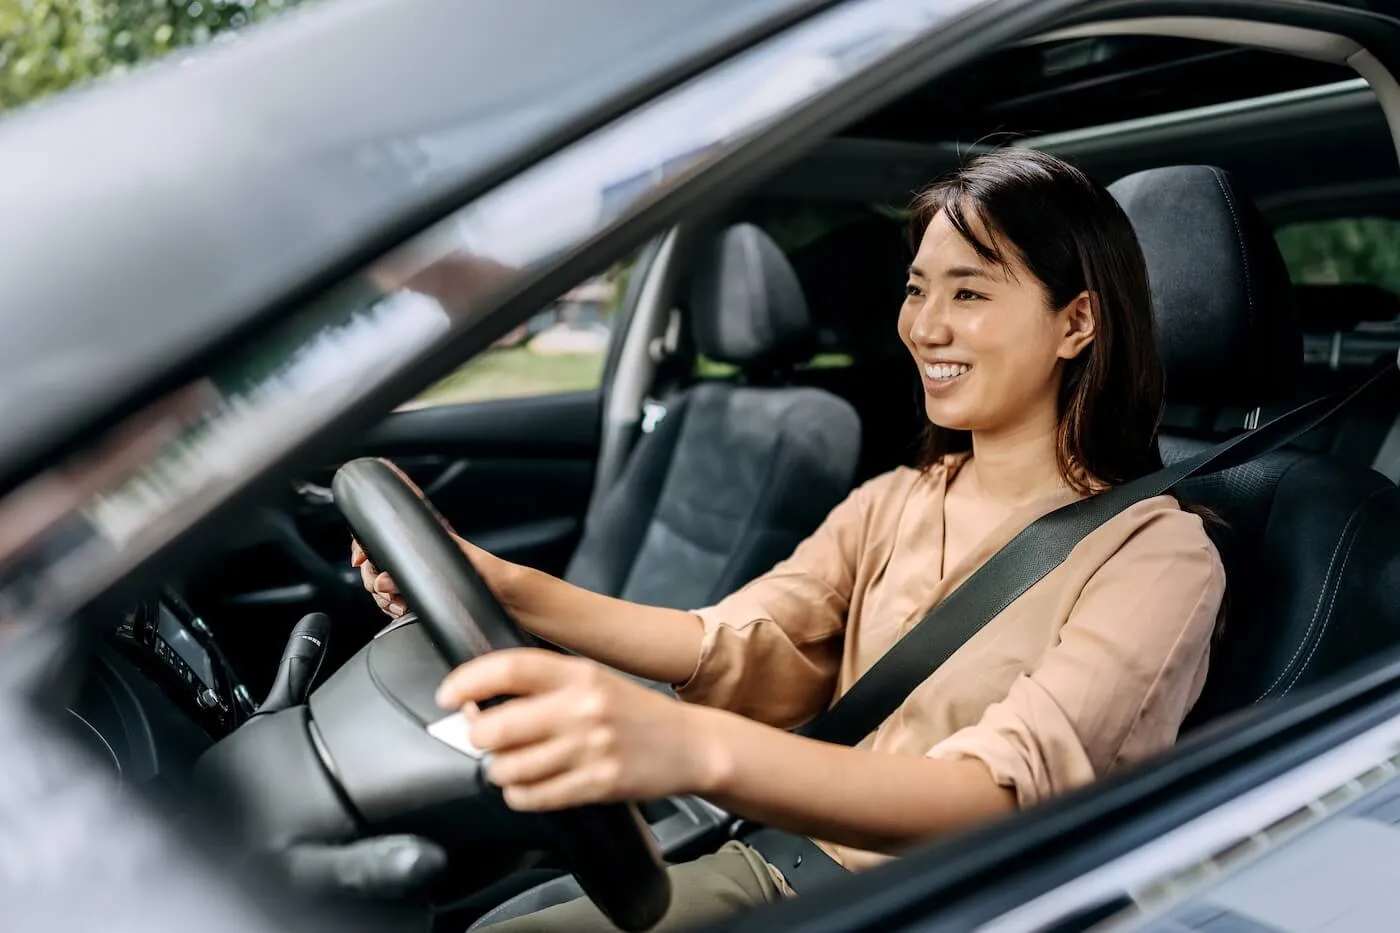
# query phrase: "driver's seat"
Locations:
[[737, 472]]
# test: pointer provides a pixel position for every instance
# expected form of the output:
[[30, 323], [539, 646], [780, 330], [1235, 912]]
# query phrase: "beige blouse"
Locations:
[[1093, 667]]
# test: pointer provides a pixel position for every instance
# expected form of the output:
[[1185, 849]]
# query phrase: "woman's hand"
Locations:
[[385, 591], [576, 733], [378, 584]]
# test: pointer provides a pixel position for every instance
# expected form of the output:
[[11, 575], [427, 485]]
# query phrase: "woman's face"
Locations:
[[989, 348]]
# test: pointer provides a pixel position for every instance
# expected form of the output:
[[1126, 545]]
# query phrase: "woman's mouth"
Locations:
[[939, 377]]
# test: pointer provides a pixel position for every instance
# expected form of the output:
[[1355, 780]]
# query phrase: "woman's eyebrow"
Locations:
[[966, 272], [916, 272]]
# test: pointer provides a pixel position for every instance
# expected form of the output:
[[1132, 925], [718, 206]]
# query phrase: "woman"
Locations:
[[1028, 317]]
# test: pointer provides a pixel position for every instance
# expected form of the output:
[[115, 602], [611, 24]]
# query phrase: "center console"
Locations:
[[172, 646]]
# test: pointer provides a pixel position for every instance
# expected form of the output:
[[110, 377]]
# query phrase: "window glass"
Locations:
[[797, 227], [562, 349], [1363, 250], [49, 46]]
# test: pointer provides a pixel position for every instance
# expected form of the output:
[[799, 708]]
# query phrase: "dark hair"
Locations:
[[1073, 237]]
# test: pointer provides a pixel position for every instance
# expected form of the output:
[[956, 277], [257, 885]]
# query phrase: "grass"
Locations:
[[516, 372], [519, 372]]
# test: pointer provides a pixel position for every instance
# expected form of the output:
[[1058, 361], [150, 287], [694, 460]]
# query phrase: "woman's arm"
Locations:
[[645, 641], [784, 628], [1113, 689], [864, 800], [577, 734]]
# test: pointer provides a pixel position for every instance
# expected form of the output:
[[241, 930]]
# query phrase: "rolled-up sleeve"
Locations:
[[772, 650], [1130, 662]]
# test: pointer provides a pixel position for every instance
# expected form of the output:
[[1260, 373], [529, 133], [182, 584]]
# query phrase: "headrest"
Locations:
[[1325, 309], [854, 278], [1225, 310], [746, 305]]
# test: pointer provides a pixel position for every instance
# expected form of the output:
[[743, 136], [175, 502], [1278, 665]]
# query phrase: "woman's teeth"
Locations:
[[944, 370]]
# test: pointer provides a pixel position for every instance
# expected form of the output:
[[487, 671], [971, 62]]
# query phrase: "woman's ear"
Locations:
[[1079, 318]]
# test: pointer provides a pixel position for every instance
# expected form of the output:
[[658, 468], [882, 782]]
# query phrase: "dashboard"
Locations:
[[164, 639], [160, 693]]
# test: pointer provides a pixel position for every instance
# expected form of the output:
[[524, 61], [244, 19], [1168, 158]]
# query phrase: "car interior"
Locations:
[[753, 378]]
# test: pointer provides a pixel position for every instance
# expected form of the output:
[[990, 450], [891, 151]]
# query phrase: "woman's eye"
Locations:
[[912, 291], [964, 294]]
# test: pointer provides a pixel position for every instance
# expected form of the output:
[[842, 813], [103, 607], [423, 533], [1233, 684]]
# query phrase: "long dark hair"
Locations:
[[1070, 233]]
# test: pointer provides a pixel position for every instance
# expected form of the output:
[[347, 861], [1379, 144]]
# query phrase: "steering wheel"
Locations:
[[608, 846]]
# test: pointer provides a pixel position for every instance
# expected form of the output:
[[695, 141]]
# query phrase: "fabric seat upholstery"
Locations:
[[737, 473]]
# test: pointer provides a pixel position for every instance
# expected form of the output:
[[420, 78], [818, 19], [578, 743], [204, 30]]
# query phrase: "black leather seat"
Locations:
[[737, 473], [1311, 542]]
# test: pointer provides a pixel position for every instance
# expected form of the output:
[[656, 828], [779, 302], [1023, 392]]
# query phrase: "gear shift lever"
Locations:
[[301, 659]]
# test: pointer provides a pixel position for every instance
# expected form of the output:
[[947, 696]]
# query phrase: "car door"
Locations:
[[505, 447]]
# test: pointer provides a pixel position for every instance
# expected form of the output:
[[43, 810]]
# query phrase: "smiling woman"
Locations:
[[1092, 361], [1028, 314]]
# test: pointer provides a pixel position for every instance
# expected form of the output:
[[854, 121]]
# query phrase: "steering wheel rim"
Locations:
[[612, 853]]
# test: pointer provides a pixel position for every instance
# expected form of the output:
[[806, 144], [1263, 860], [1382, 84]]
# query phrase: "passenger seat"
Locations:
[[737, 473]]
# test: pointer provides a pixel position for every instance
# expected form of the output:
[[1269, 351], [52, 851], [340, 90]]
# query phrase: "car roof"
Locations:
[[154, 216]]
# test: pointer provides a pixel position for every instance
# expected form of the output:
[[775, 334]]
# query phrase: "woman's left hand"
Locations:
[[577, 733]]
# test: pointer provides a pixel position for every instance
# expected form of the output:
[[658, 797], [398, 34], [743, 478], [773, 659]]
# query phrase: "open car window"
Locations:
[[564, 348]]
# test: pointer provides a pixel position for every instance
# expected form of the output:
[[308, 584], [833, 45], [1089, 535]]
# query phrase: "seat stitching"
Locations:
[[1336, 588], [1331, 604], [1316, 610], [1239, 240]]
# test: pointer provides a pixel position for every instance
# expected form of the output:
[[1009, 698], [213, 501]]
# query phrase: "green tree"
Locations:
[[1352, 249], [49, 45]]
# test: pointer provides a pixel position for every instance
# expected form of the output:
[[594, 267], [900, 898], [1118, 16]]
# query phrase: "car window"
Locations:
[[1361, 250], [794, 227], [564, 348]]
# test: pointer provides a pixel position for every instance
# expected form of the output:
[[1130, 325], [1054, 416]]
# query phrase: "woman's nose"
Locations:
[[931, 327]]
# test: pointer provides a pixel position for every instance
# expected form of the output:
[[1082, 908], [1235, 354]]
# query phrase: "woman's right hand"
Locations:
[[386, 592], [377, 583]]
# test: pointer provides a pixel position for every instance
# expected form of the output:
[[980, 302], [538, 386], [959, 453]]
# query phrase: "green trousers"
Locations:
[[707, 889]]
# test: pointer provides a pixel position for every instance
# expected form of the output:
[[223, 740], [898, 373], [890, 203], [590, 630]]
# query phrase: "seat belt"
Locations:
[[1027, 558], [1020, 564]]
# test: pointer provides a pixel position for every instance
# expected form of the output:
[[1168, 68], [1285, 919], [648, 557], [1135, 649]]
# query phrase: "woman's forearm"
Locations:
[[646, 641], [865, 800]]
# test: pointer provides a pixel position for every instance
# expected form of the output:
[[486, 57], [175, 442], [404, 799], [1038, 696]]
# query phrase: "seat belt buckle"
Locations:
[[653, 413]]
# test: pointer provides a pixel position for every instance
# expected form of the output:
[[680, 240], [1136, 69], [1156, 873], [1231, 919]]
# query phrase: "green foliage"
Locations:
[[49, 45], [1356, 249]]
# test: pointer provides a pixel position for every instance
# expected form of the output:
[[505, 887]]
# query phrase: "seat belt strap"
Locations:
[[1027, 558]]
